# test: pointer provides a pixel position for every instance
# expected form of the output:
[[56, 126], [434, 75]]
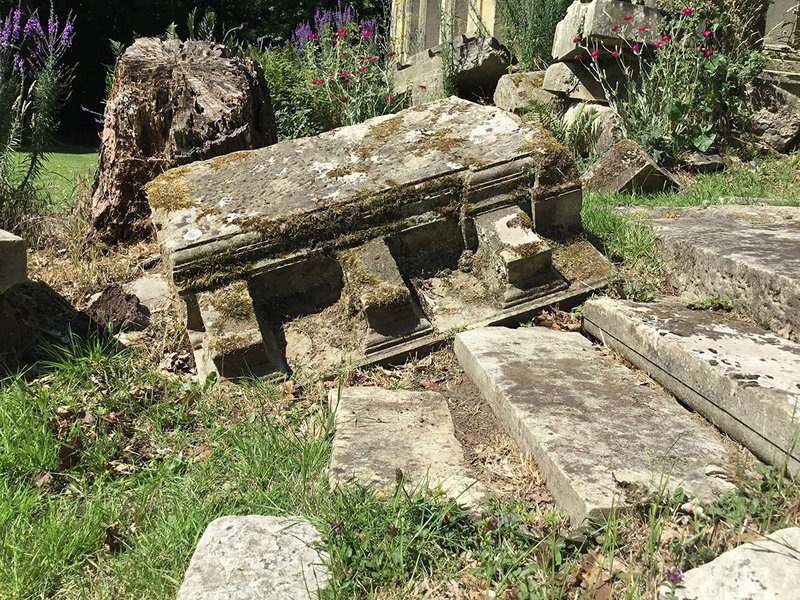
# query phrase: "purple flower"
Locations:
[[335, 526], [674, 575]]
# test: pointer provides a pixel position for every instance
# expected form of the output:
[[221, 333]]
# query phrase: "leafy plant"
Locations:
[[531, 26], [681, 92], [578, 134], [33, 86]]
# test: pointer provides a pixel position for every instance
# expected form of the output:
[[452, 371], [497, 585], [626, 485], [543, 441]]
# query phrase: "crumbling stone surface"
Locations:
[[738, 376], [588, 422], [172, 103], [604, 129], [516, 91], [257, 558], [383, 436], [767, 569], [574, 81], [776, 116], [369, 233], [626, 167]]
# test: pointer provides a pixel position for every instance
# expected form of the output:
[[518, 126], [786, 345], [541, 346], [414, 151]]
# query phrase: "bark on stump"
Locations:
[[172, 103]]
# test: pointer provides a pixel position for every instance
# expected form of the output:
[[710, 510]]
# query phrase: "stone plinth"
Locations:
[[13, 261], [399, 194]]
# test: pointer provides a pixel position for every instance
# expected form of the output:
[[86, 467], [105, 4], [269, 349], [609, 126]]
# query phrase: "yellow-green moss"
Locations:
[[233, 302], [168, 192], [220, 162]]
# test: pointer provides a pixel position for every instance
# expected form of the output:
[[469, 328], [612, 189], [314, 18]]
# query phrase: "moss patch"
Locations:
[[168, 192], [233, 302], [220, 162]]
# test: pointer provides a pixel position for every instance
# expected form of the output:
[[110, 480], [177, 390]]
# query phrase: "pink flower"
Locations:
[[615, 28], [628, 17], [578, 56], [333, 42], [642, 28], [391, 54], [688, 11], [317, 81], [341, 32], [615, 53], [635, 48], [706, 34], [388, 98], [594, 53], [343, 73], [576, 40], [312, 36], [423, 87], [365, 33], [657, 45], [345, 81], [362, 68], [343, 100], [664, 38], [709, 53]]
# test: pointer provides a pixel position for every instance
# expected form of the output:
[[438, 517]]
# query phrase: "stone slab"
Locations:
[[749, 253], [627, 168], [256, 558], [13, 260], [573, 81], [152, 291], [587, 420], [248, 212], [380, 431], [743, 379], [766, 569]]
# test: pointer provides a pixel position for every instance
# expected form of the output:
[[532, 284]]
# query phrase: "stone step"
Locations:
[[749, 253], [382, 435], [743, 379], [257, 558], [588, 421]]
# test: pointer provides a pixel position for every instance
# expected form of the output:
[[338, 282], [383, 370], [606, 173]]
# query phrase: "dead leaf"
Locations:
[[201, 453]]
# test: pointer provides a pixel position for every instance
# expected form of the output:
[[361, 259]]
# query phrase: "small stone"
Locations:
[[517, 91], [704, 163], [766, 569], [626, 167], [257, 558]]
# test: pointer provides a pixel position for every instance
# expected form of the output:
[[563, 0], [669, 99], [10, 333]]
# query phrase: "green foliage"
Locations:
[[688, 90], [530, 26], [34, 84], [578, 134]]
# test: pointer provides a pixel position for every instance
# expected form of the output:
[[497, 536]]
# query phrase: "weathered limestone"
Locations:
[[767, 569], [573, 81], [13, 261], [384, 435], [516, 91], [604, 130], [416, 25], [228, 339], [513, 254], [740, 377], [776, 116], [257, 558], [172, 103], [749, 253], [372, 275], [781, 26], [594, 22], [587, 420], [477, 64], [403, 192], [152, 291], [626, 167]]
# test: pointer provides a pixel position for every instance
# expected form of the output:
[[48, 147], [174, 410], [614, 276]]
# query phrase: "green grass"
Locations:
[[631, 245], [68, 171]]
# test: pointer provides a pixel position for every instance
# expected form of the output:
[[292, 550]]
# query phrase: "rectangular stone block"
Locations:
[[569, 28], [233, 343], [603, 15], [742, 378], [519, 254], [587, 420], [559, 212], [13, 261], [382, 435]]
